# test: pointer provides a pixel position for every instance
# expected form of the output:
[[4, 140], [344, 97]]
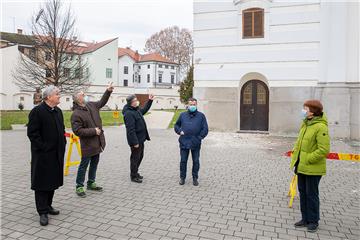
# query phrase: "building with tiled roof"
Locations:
[[101, 56], [131, 73], [146, 70]]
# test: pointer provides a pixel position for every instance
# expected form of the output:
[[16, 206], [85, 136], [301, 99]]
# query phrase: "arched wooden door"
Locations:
[[254, 106]]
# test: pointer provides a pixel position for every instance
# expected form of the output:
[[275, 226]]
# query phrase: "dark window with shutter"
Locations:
[[253, 23]]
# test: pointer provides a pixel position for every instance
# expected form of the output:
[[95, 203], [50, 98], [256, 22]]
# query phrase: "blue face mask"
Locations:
[[192, 108], [303, 114], [86, 99]]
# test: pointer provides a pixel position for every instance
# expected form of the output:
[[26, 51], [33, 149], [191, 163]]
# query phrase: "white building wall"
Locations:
[[288, 55], [164, 98], [143, 71], [102, 58], [166, 73], [129, 62], [154, 72], [310, 49], [10, 93]]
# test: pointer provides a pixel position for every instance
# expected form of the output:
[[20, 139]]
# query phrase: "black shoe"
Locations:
[[53, 211], [312, 227], [182, 181], [300, 224], [44, 220], [195, 182], [140, 177], [136, 179]]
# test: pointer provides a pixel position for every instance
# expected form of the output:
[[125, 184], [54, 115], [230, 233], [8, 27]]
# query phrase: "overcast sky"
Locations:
[[132, 21]]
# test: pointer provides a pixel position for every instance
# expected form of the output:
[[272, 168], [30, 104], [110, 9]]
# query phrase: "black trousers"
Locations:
[[136, 157], [43, 201], [309, 197]]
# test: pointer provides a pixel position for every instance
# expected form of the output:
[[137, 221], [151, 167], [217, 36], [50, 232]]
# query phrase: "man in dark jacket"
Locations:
[[86, 123], [192, 128], [46, 133], [136, 133]]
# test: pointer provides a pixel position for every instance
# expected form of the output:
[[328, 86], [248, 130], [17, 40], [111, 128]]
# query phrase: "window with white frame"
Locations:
[[126, 70], [108, 72], [148, 78]]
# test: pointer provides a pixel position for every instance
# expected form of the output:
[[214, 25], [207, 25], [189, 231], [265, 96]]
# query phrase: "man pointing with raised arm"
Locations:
[[86, 123], [136, 133]]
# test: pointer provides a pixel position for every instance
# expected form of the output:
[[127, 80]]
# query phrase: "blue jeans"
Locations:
[[80, 178], [309, 197], [195, 154]]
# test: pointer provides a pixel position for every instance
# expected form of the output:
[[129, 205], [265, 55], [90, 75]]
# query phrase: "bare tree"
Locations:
[[56, 57], [173, 43]]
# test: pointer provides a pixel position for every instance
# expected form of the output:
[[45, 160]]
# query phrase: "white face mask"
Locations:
[[303, 114], [137, 104]]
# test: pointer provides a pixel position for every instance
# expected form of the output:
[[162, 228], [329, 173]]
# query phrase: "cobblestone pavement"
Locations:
[[242, 194]]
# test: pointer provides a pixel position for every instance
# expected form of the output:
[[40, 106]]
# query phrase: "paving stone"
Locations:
[[242, 193]]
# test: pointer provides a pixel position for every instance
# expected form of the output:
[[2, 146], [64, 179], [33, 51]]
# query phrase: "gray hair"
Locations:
[[75, 96], [48, 91]]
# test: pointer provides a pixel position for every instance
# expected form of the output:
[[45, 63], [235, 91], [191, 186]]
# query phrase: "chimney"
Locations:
[[19, 31]]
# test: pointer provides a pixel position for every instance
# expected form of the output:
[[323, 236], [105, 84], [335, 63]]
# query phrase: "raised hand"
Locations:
[[110, 87]]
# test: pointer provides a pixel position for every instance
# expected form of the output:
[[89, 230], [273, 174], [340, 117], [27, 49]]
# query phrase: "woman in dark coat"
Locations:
[[46, 133]]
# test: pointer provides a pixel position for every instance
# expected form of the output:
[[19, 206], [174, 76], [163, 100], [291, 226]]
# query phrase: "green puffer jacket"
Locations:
[[313, 144]]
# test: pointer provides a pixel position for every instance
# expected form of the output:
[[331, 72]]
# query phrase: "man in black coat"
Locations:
[[136, 133], [46, 133]]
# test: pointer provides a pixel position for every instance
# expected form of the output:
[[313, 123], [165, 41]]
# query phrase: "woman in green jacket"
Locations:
[[309, 162]]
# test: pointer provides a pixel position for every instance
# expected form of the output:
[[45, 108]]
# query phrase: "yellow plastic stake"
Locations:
[[292, 190], [116, 115], [73, 139]]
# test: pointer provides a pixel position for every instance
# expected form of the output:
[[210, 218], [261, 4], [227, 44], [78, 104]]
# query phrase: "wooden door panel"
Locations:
[[254, 106]]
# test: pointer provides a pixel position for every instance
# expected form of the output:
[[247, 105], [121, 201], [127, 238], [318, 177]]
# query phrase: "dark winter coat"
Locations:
[[84, 120], [136, 130], [46, 133], [195, 128]]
